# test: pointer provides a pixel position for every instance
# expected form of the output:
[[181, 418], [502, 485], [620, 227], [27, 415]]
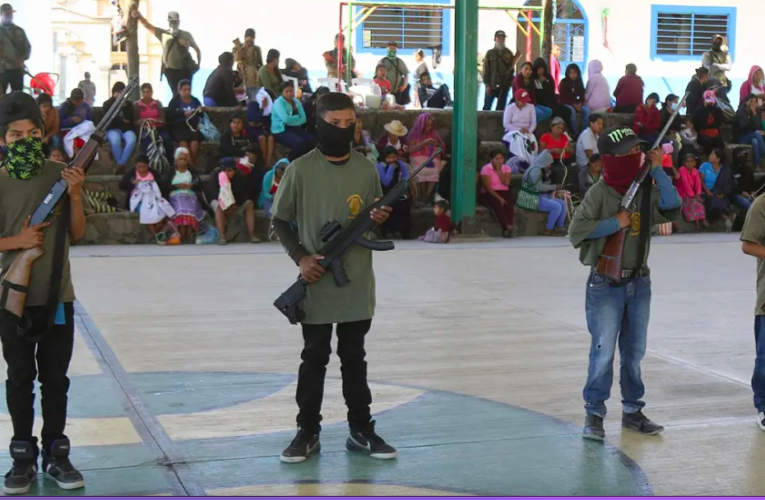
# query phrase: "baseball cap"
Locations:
[[721, 37], [6, 7], [618, 140], [19, 105], [521, 95], [173, 16], [710, 97], [227, 163], [392, 44], [500, 33]]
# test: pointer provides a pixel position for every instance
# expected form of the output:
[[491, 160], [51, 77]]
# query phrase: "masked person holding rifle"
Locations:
[[332, 183], [618, 308], [25, 179]]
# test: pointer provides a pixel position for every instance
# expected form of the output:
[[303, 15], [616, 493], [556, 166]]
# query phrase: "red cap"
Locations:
[[521, 95]]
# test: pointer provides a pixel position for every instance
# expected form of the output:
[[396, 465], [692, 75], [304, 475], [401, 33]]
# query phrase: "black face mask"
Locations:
[[334, 141]]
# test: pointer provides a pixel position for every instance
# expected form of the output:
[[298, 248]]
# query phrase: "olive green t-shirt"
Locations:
[[603, 202], [175, 54], [754, 232], [313, 192], [18, 200]]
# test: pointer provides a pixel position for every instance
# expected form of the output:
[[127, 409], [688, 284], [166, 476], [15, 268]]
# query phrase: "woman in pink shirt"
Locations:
[[520, 122], [689, 189], [495, 191]]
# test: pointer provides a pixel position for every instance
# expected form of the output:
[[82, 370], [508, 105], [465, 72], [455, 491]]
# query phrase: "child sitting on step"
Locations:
[[442, 230]]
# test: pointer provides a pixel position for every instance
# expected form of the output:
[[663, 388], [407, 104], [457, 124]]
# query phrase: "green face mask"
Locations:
[[391, 53], [25, 158]]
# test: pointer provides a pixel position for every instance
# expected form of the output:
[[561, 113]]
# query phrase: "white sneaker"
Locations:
[[761, 421]]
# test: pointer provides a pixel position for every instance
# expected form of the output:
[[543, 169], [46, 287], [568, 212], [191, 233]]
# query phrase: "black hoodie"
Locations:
[[545, 89], [746, 122]]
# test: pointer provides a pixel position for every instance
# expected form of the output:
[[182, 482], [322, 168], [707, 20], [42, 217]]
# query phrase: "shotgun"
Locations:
[[337, 240], [16, 280], [610, 261]]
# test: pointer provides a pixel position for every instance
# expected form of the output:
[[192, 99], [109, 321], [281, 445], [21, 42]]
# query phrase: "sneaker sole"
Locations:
[[594, 437], [350, 445], [65, 486], [19, 491], [760, 424], [296, 460], [654, 433]]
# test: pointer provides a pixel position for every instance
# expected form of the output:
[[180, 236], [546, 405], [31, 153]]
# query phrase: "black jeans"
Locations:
[[51, 356], [353, 366], [14, 78], [502, 94], [403, 98], [174, 77]]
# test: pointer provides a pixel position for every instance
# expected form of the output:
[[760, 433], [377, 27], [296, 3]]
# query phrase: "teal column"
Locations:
[[465, 117]]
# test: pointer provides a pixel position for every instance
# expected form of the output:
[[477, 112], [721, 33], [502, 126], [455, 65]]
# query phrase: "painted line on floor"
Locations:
[[176, 471]]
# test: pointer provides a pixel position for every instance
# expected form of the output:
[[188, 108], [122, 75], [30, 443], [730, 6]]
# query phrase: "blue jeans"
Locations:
[[115, 138], [758, 145], [741, 202], [616, 313], [556, 210], [542, 113], [293, 137], [758, 378], [585, 119]]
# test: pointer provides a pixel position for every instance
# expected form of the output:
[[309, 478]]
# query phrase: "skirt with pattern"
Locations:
[[693, 210]]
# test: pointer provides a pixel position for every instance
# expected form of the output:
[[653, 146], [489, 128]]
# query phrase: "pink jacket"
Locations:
[[749, 86], [598, 94], [689, 184]]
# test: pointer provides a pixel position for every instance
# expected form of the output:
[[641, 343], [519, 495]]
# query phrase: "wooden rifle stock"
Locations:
[[610, 261], [16, 280]]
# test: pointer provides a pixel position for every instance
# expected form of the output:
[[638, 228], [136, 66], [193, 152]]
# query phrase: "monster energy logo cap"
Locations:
[[617, 140]]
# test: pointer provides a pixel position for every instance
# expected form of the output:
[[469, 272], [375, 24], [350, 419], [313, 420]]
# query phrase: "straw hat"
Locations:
[[397, 128]]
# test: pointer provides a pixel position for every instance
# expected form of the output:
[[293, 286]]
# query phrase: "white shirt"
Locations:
[[588, 140]]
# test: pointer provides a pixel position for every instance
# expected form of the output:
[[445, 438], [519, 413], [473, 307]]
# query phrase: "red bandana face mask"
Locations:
[[620, 171]]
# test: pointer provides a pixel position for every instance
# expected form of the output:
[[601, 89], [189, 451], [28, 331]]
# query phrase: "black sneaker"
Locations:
[[303, 446], [640, 423], [593, 428], [24, 471], [57, 467], [367, 442], [761, 421]]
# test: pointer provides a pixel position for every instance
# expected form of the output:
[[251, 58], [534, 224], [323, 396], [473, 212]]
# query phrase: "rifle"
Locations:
[[16, 279], [337, 240], [610, 261]]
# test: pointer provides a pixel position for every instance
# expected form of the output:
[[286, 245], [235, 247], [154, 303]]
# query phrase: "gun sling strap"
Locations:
[[645, 224], [28, 326]]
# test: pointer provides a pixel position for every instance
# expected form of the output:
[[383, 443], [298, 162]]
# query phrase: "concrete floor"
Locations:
[[183, 375]]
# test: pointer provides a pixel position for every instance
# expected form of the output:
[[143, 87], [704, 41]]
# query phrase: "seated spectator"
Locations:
[[587, 145], [362, 142], [520, 120], [717, 185], [293, 69], [243, 204], [381, 79], [590, 175], [252, 167], [423, 140], [707, 122], [745, 187], [150, 116], [747, 129], [233, 140], [525, 81], [183, 120], [184, 188], [557, 142], [648, 119], [754, 85], [495, 191], [392, 171], [689, 189], [259, 129], [288, 118], [51, 119], [572, 95], [146, 198], [431, 97], [546, 90], [597, 94], [309, 106], [76, 122], [270, 184], [121, 129], [219, 89], [629, 91], [688, 136], [58, 154], [695, 89], [671, 102], [535, 178], [442, 230], [269, 75], [396, 136]]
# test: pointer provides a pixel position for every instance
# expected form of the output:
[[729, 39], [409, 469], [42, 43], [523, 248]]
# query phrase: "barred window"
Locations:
[[687, 32], [410, 28]]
